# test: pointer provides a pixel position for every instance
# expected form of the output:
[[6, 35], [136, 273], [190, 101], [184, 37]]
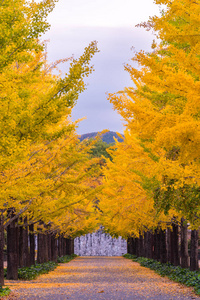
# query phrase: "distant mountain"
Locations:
[[106, 137]]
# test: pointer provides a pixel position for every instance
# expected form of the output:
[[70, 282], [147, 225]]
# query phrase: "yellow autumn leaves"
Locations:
[[45, 172], [155, 172]]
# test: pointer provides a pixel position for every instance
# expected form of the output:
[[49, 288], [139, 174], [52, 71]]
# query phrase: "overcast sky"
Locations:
[[74, 24]]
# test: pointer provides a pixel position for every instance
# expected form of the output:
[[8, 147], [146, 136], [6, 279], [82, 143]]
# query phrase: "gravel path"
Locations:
[[95, 278]]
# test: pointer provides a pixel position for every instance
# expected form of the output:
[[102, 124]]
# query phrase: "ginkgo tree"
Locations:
[[35, 110], [162, 112]]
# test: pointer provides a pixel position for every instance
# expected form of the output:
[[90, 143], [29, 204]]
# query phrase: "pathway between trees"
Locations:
[[112, 278]]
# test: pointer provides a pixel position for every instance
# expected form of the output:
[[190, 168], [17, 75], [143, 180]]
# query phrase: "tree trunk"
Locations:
[[68, 248], [175, 260], [72, 246], [54, 248], [12, 251], [45, 248], [163, 248], [21, 242], [133, 246], [141, 245], [49, 247], [194, 266], [129, 250], [157, 245], [168, 245], [24, 255], [145, 251], [1, 251], [184, 245], [176, 245], [137, 247], [40, 245], [32, 244], [59, 246], [149, 245]]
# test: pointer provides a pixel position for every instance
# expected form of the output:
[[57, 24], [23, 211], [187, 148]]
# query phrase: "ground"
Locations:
[[95, 278]]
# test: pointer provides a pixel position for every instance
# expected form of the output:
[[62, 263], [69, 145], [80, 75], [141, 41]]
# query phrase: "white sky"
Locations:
[[74, 24], [103, 13]]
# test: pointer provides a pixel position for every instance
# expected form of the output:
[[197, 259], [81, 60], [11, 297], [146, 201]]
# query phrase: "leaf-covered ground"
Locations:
[[91, 278]]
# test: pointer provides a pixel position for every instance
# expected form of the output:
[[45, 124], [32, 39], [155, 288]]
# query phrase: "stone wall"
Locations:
[[99, 244]]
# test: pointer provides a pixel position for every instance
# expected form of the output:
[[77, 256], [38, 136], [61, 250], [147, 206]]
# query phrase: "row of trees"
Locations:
[[152, 182], [47, 176]]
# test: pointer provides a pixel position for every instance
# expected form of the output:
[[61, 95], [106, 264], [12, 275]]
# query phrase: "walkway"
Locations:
[[95, 278]]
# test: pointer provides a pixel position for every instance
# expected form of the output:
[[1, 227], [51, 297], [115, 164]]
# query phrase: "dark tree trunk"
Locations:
[[12, 251], [40, 250], [194, 266], [129, 248], [1, 252], [49, 247], [24, 256], [149, 245], [62, 246], [137, 249], [68, 248], [32, 244], [154, 246], [168, 245], [141, 245], [163, 248], [133, 246], [72, 246], [184, 245], [157, 245], [175, 260], [65, 246], [145, 251], [59, 246], [54, 248], [46, 256], [21, 241]]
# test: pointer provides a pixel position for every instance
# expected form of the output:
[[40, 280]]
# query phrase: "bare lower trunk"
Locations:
[[54, 248], [32, 244], [24, 255], [59, 246], [168, 244], [72, 246], [46, 256], [12, 251], [49, 247], [175, 260], [141, 245], [149, 245], [163, 248], [40, 249], [194, 266], [157, 245], [184, 245]]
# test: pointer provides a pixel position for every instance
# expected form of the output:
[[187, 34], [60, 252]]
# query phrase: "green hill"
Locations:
[[107, 137]]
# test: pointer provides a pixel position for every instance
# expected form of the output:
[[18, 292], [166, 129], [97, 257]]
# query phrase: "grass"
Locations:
[[178, 274]]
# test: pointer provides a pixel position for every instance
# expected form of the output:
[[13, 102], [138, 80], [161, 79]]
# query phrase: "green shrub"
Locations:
[[32, 272], [66, 258], [4, 291], [178, 274]]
